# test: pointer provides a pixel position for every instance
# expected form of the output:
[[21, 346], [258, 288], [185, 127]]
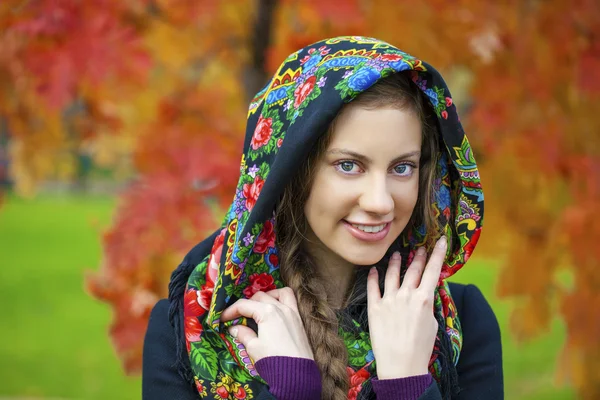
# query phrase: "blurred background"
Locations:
[[121, 124]]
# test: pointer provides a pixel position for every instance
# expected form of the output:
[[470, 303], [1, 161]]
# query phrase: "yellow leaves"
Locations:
[[31, 164], [170, 45], [40, 147], [579, 357], [112, 151], [531, 318]]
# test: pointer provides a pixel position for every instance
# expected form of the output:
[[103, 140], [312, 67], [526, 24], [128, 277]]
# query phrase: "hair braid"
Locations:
[[321, 326]]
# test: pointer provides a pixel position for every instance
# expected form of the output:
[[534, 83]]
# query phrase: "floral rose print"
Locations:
[[259, 283], [266, 238], [251, 191], [262, 133], [302, 91]]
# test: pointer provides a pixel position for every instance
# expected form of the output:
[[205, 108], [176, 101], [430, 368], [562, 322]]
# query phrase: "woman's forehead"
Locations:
[[376, 131]]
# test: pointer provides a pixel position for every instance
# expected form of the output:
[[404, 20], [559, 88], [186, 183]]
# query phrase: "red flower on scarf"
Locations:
[[205, 296], [302, 91], [470, 246], [215, 259], [390, 57], [448, 101], [445, 114], [356, 380], [447, 212], [200, 387], [222, 392], [191, 304], [259, 283], [240, 394], [266, 238], [273, 259], [193, 329], [262, 133], [251, 191]]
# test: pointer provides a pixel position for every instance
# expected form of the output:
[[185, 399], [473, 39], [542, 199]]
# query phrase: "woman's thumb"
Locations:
[[242, 333]]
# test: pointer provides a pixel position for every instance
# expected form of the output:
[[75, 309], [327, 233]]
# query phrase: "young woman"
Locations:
[[358, 196]]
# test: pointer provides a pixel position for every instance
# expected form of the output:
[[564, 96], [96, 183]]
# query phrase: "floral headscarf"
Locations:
[[284, 121]]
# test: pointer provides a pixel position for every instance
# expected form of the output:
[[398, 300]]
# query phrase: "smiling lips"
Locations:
[[368, 233]]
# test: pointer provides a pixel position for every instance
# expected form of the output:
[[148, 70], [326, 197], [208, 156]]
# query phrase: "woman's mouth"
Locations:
[[369, 233]]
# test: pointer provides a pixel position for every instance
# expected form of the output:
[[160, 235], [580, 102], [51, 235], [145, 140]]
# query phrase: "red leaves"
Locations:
[[345, 12], [67, 43]]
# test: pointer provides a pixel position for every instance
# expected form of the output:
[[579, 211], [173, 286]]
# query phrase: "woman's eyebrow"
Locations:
[[366, 159]]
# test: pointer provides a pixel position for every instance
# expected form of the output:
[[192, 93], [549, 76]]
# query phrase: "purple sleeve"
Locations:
[[409, 388], [291, 378]]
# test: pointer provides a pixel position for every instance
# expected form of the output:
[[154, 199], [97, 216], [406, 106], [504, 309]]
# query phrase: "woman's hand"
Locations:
[[401, 323], [280, 328]]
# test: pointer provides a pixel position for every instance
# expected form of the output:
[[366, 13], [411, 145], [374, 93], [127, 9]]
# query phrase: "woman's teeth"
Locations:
[[370, 228]]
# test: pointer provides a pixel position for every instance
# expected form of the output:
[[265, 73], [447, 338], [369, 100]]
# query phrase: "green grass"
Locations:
[[54, 341], [529, 368]]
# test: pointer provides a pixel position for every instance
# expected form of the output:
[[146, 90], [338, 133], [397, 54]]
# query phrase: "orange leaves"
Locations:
[[64, 42], [341, 12], [534, 114], [59, 54], [188, 130]]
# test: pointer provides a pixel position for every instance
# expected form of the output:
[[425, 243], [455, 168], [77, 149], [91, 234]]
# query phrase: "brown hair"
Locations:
[[298, 269]]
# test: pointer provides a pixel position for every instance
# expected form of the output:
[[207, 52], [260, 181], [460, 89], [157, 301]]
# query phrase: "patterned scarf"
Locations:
[[284, 121]]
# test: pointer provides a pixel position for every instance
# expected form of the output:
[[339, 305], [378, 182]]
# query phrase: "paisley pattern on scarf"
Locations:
[[284, 120]]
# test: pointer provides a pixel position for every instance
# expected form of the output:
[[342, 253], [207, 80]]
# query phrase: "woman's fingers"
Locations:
[[256, 307], [244, 308], [373, 292], [412, 277], [265, 298], [431, 276], [392, 275], [285, 296], [242, 333]]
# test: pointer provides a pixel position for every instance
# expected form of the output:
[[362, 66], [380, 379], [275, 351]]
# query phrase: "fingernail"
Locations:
[[233, 331], [421, 251], [372, 271], [442, 243], [396, 256]]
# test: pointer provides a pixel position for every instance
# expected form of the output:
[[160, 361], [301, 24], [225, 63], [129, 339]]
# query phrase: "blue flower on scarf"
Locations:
[[432, 96], [370, 357], [312, 62], [400, 65], [363, 78], [442, 197]]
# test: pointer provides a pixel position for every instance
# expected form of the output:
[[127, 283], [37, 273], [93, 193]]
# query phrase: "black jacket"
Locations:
[[479, 367]]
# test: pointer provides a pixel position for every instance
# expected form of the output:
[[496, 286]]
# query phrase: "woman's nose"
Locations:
[[376, 197]]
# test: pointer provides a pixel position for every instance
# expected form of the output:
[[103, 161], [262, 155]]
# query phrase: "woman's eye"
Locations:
[[403, 169], [348, 167]]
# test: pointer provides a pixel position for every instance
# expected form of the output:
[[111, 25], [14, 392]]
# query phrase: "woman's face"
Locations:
[[366, 184]]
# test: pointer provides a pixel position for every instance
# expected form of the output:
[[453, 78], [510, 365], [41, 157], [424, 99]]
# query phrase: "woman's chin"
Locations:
[[364, 259]]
